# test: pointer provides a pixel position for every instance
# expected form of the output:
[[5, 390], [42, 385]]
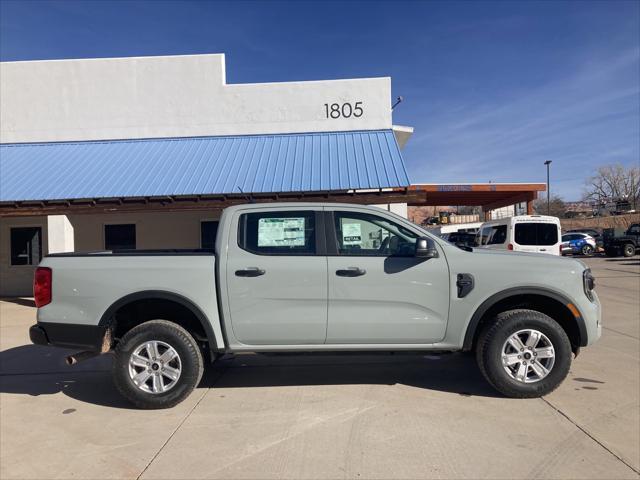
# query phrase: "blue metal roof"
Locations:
[[197, 166]]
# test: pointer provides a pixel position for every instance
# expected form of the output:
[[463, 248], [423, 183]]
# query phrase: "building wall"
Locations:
[[153, 230], [17, 280], [509, 211], [172, 96], [397, 208]]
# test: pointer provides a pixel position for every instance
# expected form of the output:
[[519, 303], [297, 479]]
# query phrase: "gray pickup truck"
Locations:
[[296, 277]]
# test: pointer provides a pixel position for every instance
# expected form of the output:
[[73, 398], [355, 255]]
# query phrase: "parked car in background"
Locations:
[[522, 233], [578, 243], [592, 232], [460, 239], [317, 277], [627, 244]]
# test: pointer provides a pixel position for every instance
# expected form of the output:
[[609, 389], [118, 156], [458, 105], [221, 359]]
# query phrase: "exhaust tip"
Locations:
[[80, 357]]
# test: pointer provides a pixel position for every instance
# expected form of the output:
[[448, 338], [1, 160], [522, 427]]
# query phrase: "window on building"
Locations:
[[278, 233], [120, 237], [370, 235], [26, 245], [208, 233]]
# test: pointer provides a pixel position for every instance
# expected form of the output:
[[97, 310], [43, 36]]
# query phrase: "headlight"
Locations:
[[589, 283]]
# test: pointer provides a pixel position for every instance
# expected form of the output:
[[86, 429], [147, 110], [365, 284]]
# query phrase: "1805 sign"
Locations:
[[346, 110]]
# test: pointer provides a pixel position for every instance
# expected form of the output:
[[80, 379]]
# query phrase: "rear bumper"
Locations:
[[84, 337], [38, 336]]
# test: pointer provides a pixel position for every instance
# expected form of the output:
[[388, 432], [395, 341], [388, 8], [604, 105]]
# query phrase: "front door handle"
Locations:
[[351, 272], [250, 272]]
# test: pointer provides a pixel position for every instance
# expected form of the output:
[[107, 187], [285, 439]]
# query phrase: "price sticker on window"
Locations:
[[351, 234]]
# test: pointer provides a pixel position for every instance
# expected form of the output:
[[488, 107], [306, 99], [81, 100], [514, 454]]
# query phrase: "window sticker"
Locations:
[[351, 234], [281, 232]]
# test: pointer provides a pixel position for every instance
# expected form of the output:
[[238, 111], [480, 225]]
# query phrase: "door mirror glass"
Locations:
[[426, 248]]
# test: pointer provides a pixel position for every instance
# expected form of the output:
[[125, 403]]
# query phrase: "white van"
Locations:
[[523, 233]]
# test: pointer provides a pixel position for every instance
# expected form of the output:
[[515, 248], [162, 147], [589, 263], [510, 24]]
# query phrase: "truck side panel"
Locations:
[[84, 287]]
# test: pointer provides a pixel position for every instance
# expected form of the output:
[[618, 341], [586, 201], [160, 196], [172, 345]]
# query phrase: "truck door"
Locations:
[[276, 283], [379, 292]]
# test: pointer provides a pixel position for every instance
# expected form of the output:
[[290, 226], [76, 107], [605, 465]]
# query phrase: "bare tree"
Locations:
[[557, 207], [614, 182]]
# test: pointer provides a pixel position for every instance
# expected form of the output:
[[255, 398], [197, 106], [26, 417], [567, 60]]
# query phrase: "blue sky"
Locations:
[[492, 88]]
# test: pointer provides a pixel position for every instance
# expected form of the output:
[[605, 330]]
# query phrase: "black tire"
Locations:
[[629, 250], [587, 249], [190, 358], [489, 353]]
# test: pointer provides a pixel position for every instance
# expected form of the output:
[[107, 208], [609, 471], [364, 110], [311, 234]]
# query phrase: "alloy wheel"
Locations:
[[155, 367], [528, 356]]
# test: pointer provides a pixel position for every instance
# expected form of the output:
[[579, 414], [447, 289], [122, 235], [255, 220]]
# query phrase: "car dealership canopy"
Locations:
[[489, 196]]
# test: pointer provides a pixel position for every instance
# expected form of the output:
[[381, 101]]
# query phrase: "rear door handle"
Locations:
[[351, 272], [250, 272]]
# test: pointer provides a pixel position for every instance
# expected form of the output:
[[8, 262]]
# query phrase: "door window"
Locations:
[[370, 235], [536, 234], [278, 233], [26, 245]]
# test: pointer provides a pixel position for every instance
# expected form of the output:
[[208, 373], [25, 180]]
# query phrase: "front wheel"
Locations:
[[157, 364], [524, 354], [629, 250]]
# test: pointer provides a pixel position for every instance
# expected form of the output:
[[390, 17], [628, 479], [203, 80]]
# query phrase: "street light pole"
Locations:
[[547, 163]]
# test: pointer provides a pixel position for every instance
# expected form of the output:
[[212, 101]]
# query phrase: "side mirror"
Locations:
[[426, 248]]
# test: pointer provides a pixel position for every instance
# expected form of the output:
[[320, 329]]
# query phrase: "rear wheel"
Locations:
[[629, 250], [157, 364], [524, 354], [587, 249]]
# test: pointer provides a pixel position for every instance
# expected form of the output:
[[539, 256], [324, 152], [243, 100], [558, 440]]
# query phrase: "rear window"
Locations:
[[536, 234]]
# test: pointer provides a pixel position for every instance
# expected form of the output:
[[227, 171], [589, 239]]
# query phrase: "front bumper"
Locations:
[[84, 337]]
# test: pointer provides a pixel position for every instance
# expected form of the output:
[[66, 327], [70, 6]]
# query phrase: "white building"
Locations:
[[145, 152]]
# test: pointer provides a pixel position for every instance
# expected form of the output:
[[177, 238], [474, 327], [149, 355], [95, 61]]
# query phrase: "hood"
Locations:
[[526, 257]]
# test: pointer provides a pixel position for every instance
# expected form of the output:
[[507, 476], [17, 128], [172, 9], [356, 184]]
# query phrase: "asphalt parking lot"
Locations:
[[342, 416]]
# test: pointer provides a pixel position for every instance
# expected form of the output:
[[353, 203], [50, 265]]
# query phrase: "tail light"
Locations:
[[42, 286], [510, 246], [560, 249]]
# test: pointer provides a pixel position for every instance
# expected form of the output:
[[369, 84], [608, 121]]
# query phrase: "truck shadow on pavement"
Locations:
[[36, 370], [23, 301]]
